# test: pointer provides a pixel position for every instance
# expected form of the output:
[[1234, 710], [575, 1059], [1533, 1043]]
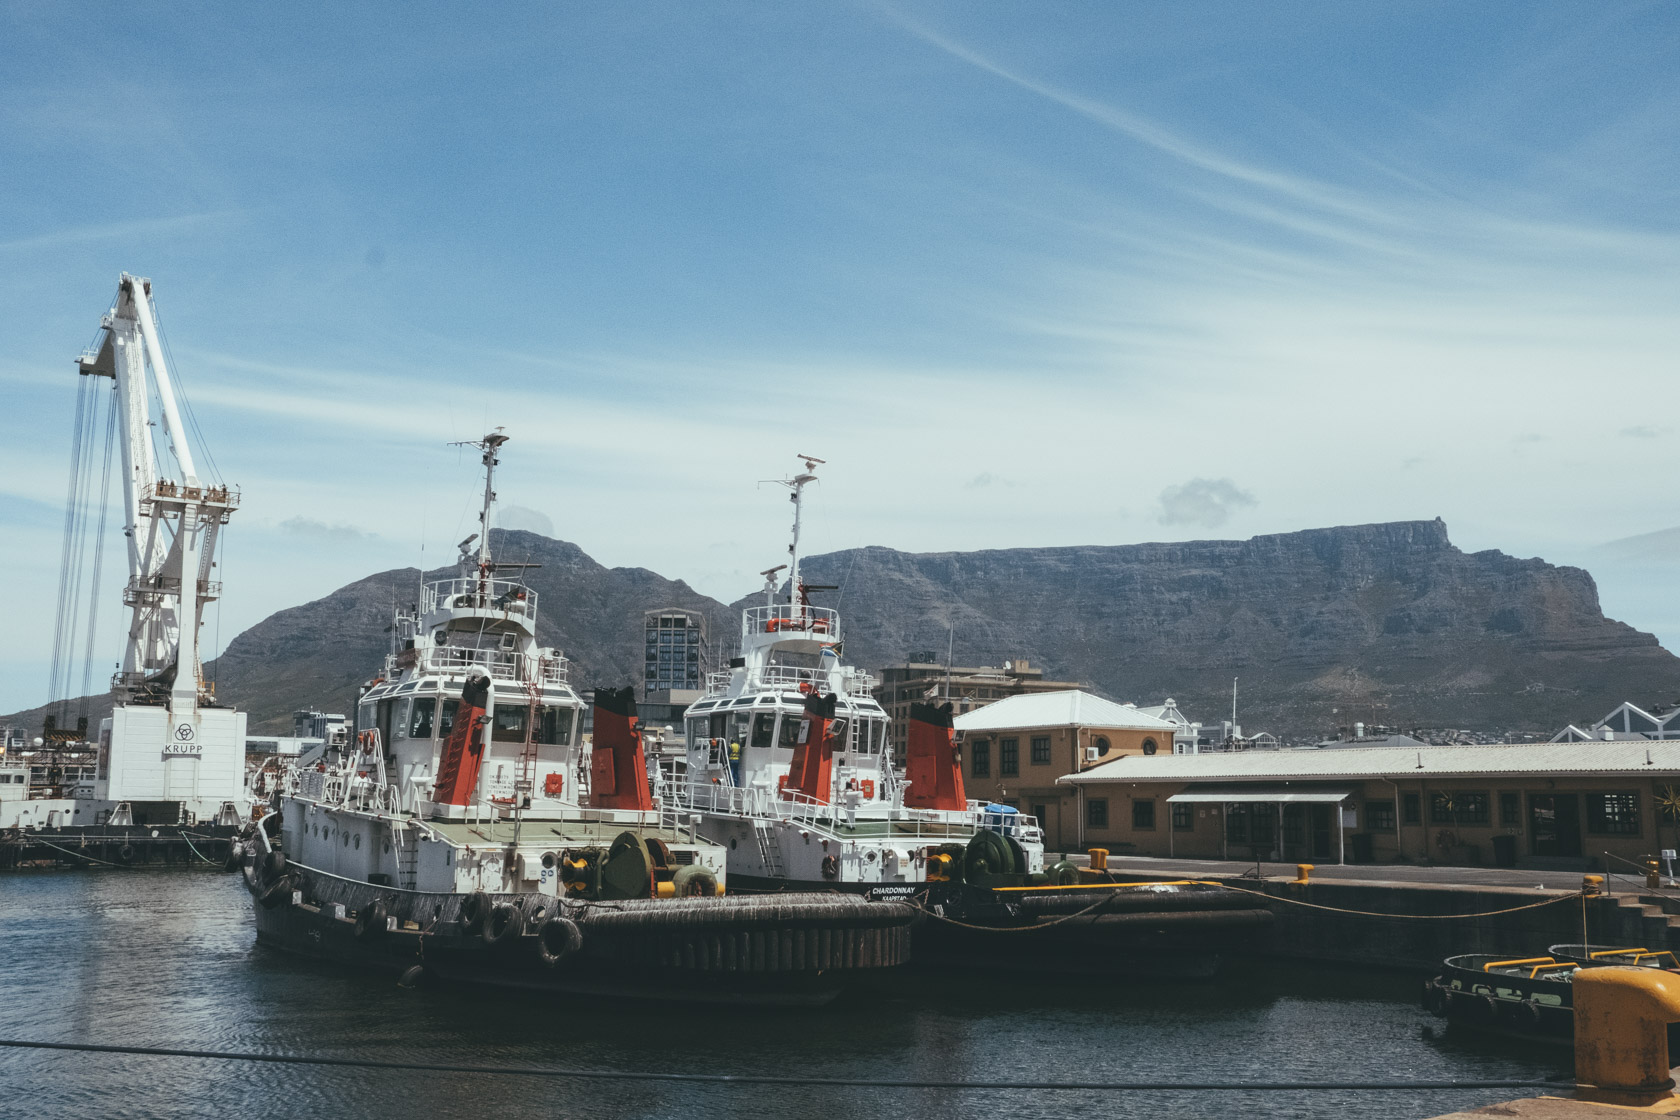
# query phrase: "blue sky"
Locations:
[[1024, 274]]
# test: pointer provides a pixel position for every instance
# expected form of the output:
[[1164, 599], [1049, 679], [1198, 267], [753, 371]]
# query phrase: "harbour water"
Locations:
[[170, 959]]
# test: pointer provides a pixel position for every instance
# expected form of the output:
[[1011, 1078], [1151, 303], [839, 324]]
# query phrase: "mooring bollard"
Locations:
[[1592, 884], [1303, 872], [1653, 875], [1622, 1015], [1099, 859]]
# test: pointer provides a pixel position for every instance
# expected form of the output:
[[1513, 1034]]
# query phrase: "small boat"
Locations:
[[1525, 996]]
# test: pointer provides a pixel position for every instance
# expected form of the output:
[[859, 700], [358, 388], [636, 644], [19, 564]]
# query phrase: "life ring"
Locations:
[[830, 867], [558, 939], [370, 920], [474, 908], [506, 922], [805, 688]]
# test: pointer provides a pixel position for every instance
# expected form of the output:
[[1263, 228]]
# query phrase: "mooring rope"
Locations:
[[773, 1079], [1416, 917]]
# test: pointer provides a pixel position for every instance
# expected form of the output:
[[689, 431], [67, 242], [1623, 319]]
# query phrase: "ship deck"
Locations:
[[547, 833]]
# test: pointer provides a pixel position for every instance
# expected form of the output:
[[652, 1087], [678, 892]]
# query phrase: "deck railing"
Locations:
[[505, 596]]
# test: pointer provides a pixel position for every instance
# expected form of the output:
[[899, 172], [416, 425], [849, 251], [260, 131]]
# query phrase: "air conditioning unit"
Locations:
[[1090, 754]]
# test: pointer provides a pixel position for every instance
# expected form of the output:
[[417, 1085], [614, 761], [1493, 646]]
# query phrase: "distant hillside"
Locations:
[[1385, 623]]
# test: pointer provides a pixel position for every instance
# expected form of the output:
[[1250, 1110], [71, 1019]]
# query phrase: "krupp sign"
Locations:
[[183, 740]]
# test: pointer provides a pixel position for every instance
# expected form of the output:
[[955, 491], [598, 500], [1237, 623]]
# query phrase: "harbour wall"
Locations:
[[1415, 926]]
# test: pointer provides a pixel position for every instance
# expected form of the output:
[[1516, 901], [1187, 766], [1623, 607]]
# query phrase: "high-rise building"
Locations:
[[677, 653]]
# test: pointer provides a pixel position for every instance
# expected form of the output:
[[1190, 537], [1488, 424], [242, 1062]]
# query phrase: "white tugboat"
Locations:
[[790, 765], [470, 830]]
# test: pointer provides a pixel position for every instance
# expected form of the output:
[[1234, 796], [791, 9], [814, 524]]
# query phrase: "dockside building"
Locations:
[[1531, 804]]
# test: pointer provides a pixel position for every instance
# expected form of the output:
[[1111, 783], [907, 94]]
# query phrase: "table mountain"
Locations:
[[1386, 623]]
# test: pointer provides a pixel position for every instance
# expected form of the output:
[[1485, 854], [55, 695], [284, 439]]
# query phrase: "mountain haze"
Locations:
[[1386, 623]]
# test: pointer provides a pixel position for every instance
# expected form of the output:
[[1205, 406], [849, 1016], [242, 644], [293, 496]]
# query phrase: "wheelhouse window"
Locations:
[[764, 729], [446, 720], [508, 725], [1096, 812], [420, 718], [1613, 814], [554, 725], [1041, 750], [792, 728], [980, 758], [1009, 757]]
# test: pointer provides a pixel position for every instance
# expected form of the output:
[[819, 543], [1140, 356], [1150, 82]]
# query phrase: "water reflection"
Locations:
[[169, 958]]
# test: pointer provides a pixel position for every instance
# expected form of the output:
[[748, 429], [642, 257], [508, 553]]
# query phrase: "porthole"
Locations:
[[358, 841], [346, 839]]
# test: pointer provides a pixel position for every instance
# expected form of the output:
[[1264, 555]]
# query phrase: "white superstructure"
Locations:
[[792, 814], [468, 770]]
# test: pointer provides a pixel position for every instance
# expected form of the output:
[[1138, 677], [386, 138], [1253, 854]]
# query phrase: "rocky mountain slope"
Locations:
[[1385, 623]]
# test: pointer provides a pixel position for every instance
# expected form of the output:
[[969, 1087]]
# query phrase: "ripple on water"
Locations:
[[169, 959]]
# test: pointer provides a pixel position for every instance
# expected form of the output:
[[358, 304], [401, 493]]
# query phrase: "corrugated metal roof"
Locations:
[[1651, 756], [1071, 708], [1251, 793]]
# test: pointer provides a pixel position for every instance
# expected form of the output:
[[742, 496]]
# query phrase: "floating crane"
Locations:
[[167, 743]]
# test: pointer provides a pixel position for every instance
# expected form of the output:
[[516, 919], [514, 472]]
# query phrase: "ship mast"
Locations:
[[797, 484], [489, 445]]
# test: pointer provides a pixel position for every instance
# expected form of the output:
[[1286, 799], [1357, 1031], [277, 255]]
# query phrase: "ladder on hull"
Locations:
[[769, 851]]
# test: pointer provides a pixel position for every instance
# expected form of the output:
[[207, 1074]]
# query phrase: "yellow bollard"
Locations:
[[1592, 884], [1621, 1033], [1653, 875], [1303, 872], [1099, 859]]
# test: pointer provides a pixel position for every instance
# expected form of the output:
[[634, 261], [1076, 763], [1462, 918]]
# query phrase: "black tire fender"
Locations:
[[274, 864], [474, 909], [278, 892], [370, 920], [504, 923], [558, 939]]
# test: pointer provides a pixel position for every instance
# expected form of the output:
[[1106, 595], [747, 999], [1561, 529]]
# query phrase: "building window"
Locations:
[[1009, 757], [1236, 824], [1183, 818], [1143, 814], [1510, 810], [1459, 807], [1101, 743], [1414, 809], [981, 763], [1613, 814], [1041, 750], [1040, 810], [1149, 746], [1379, 816], [1096, 812]]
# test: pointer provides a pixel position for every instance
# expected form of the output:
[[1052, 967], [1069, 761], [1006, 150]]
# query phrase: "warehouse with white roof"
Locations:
[[1530, 804]]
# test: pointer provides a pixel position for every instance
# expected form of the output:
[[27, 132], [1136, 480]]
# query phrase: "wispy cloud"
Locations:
[[1206, 502], [135, 229]]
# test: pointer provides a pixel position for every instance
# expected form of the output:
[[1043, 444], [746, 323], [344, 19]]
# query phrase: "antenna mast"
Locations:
[[489, 446], [797, 484]]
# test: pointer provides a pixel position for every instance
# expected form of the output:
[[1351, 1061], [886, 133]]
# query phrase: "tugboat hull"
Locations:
[[760, 951]]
